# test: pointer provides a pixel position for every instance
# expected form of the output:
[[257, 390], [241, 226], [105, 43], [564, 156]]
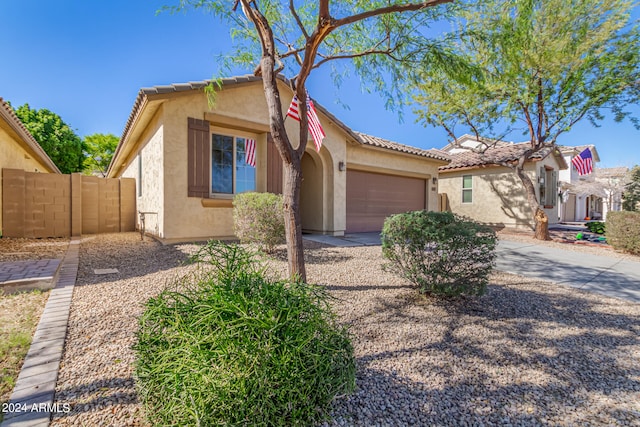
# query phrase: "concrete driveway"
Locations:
[[596, 273]]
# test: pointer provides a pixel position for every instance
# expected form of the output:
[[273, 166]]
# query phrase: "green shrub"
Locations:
[[441, 252], [596, 227], [235, 348], [623, 231], [259, 218]]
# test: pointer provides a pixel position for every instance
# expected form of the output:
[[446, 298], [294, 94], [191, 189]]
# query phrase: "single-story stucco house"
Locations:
[[18, 149], [477, 186], [187, 157]]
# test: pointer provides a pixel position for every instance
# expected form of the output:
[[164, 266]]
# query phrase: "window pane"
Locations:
[[222, 164], [466, 196], [245, 174], [466, 181]]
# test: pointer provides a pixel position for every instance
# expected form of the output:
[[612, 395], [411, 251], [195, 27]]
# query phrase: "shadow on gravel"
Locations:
[[315, 253], [96, 395], [514, 356], [384, 398], [132, 258]]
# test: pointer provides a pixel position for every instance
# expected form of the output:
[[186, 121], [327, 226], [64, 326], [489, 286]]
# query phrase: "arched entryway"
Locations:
[[311, 194]]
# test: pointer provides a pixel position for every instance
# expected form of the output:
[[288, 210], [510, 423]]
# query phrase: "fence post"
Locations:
[[76, 204]]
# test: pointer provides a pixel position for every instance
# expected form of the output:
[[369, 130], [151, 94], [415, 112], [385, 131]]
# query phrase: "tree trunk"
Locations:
[[292, 220], [540, 217], [542, 225]]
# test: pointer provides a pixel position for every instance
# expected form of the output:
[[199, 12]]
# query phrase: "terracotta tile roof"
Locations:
[[199, 85], [7, 113], [616, 172], [492, 156], [390, 145]]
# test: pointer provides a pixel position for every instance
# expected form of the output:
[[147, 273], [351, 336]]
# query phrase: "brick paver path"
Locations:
[[14, 271]]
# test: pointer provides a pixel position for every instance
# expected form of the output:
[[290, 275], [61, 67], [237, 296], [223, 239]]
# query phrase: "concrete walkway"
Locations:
[[31, 402], [596, 273]]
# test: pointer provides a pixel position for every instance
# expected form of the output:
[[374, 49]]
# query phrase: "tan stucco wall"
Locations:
[[499, 197], [152, 198], [242, 111], [15, 155]]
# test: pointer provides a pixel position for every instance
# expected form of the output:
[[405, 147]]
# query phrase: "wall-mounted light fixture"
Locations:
[[434, 180], [341, 166]]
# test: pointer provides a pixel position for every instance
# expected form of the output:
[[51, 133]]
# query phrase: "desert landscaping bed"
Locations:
[[526, 353]]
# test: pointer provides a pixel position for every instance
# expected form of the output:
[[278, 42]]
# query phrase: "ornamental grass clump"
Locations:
[[444, 254], [236, 348]]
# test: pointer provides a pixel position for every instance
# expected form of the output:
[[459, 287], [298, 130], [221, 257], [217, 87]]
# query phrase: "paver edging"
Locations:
[[33, 403]]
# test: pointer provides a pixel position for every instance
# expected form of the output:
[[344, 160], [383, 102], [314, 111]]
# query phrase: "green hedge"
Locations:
[[232, 347], [441, 252], [623, 231]]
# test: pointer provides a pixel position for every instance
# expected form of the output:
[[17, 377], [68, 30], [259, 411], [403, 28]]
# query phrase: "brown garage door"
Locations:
[[371, 197]]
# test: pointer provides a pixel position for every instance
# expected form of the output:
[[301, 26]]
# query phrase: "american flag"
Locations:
[[250, 152], [583, 162], [315, 128]]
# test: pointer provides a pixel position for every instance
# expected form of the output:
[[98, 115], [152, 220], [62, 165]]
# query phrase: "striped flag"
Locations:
[[293, 111], [583, 162], [250, 152], [315, 128], [314, 125]]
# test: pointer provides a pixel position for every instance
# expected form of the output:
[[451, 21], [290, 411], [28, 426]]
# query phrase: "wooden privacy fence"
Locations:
[[36, 205]]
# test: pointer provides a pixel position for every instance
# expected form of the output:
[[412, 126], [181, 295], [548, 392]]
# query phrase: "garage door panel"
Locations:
[[372, 197]]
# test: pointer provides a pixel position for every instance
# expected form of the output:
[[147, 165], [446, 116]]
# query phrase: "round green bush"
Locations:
[[238, 349], [259, 218], [441, 252]]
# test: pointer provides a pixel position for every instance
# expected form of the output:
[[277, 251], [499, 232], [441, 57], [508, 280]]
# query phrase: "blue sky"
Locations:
[[86, 61]]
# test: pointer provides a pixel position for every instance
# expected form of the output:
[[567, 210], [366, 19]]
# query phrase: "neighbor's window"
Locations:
[[467, 189], [230, 174]]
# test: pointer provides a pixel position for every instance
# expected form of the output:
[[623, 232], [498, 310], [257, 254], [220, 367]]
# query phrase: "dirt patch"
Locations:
[[32, 249], [19, 317]]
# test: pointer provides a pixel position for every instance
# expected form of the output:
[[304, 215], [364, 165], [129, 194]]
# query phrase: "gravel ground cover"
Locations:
[[526, 353]]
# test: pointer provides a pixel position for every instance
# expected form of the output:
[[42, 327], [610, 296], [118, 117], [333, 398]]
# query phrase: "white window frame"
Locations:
[[469, 190]]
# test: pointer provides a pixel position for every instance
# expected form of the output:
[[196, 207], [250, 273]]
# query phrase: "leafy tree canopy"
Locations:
[[533, 67], [99, 149], [56, 138]]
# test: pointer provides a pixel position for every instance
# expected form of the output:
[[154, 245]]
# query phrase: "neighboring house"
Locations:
[[475, 185], [18, 149], [612, 181], [188, 159], [578, 200]]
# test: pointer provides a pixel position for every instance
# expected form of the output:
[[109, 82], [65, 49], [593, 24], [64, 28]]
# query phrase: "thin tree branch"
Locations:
[[298, 20]]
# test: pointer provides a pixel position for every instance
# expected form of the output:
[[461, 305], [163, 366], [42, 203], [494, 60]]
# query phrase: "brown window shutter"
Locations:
[[199, 158], [274, 167]]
